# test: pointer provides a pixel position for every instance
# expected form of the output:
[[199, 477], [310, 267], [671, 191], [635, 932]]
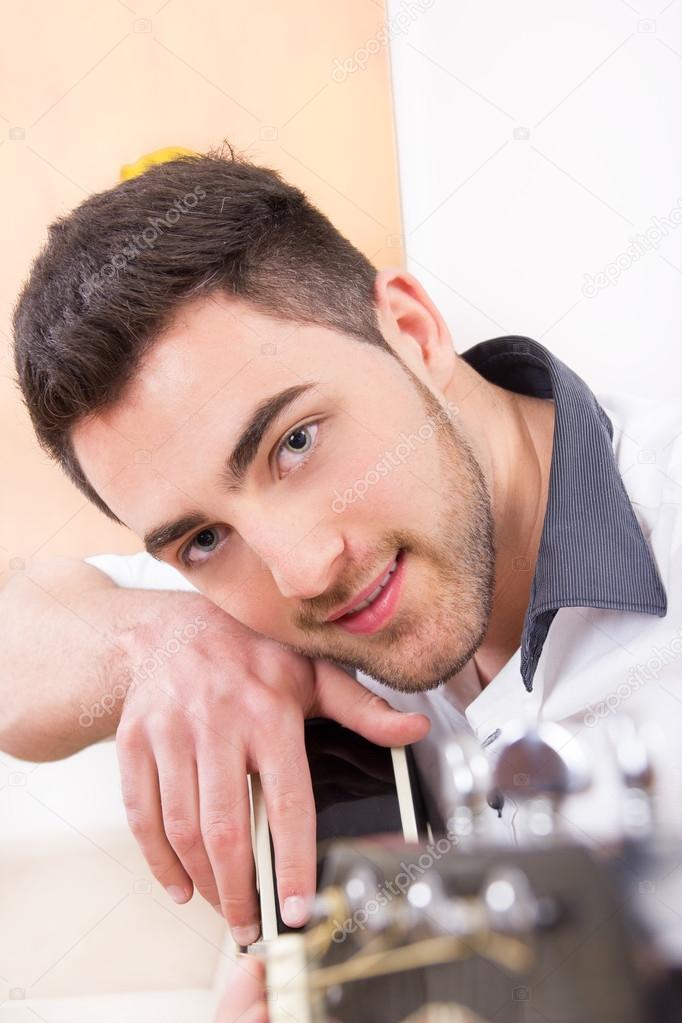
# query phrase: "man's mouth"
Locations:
[[376, 604]]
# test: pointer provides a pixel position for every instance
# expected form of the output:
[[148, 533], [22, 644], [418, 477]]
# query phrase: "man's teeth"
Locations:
[[375, 593]]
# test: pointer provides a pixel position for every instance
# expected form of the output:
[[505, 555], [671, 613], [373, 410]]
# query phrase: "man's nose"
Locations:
[[302, 566]]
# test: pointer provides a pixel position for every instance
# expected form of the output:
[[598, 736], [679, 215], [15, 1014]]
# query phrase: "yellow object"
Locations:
[[131, 170]]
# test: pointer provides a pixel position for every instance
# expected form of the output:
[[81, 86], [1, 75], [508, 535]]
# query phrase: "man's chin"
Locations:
[[407, 685], [411, 672], [400, 681]]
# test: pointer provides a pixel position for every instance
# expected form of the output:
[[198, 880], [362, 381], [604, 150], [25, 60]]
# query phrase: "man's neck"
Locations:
[[512, 437]]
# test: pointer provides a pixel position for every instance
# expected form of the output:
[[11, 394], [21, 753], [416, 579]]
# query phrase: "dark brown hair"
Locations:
[[114, 271]]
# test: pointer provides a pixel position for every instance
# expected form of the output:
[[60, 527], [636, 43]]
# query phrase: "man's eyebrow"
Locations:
[[161, 536], [236, 465], [249, 440]]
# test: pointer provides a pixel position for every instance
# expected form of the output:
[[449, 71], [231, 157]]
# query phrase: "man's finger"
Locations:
[[288, 792], [244, 997], [351, 704], [180, 807], [226, 830], [140, 788]]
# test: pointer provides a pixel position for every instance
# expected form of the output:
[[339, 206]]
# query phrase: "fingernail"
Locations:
[[295, 911], [246, 935], [177, 893]]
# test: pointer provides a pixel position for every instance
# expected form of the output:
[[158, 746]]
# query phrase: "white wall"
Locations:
[[535, 141], [82, 917]]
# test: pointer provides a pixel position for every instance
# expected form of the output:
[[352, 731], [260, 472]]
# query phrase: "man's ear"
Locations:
[[414, 328]]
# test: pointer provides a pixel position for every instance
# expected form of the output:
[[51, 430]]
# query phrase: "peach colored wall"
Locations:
[[87, 86]]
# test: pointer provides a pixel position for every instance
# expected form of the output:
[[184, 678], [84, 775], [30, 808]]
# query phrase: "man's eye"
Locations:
[[203, 545], [294, 450], [296, 446]]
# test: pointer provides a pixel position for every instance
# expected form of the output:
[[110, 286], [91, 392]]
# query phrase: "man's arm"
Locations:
[[197, 701], [62, 659]]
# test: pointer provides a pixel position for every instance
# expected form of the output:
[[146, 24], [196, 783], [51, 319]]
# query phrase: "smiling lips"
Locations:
[[374, 605]]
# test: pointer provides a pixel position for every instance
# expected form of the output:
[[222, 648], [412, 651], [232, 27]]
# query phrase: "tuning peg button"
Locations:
[[537, 767]]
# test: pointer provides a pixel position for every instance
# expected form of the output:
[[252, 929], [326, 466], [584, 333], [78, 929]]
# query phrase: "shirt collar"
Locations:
[[592, 550]]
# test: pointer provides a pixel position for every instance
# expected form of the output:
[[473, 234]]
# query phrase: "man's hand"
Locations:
[[244, 997], [227, 702]]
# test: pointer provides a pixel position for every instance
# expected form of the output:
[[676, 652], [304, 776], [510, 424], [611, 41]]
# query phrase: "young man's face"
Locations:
[[361, 467]]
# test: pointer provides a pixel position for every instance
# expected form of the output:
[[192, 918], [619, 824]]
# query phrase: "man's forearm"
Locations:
[[67, 660]]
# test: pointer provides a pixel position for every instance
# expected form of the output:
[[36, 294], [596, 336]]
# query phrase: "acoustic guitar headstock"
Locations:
[[457, 927]]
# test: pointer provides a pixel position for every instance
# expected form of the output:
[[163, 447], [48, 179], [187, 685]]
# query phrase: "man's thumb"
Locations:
[[345, 700]]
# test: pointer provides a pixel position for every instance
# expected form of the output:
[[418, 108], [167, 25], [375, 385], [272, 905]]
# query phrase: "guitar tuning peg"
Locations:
[[359, 882], [430, 904], [468, 784], [537, 767], [633, 760], [511, 904], [631, 753], [360, 885]]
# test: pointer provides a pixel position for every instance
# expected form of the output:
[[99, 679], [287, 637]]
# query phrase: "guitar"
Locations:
[[417, 920]]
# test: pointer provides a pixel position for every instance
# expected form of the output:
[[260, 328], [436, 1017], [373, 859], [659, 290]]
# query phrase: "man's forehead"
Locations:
[[212, 365], [205, 344]]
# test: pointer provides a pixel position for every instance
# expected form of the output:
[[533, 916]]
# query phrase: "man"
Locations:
[[292, 435]]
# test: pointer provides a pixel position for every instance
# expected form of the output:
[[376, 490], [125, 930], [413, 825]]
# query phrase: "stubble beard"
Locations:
[[421, 649]]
